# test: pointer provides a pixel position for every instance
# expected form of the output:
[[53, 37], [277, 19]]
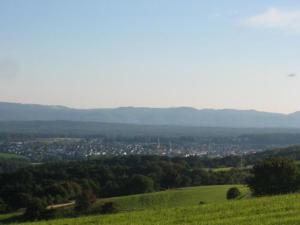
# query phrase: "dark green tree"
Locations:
[[35, 210], [23, 199], [140, 184], [3, 206], [85, 201], [274, 176]]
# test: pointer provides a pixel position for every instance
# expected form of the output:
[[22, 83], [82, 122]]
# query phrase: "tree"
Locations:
[[274, 176], [111, 188], [73, 189], [183, 181], [233, 193], [3, 206], [58, 191], [22, 200], [88, 184], [85, 201], [140, 184], [35, 210]]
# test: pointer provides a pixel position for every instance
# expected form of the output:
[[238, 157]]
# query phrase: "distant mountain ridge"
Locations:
[[183, 116]]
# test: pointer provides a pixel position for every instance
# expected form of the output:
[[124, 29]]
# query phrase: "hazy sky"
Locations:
[[157, 53]]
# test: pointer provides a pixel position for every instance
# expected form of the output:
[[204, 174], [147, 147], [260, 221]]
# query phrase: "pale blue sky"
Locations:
[[156, 53]]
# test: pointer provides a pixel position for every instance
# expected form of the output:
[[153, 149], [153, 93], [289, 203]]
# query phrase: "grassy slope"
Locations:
[[183, 197], [283, 210], [174, 198]]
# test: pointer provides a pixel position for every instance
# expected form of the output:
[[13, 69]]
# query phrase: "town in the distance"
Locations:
[[53, 138]]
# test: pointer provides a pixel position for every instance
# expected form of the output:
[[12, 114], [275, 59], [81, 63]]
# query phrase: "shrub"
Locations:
[[274, 176], [233, 193], [23, 199], [3, 206], [35, 210], [140, 184], [73, 189], [109, 207], [84, 201]]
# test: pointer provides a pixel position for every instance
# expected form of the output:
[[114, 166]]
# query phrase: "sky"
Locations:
[[151, 53]]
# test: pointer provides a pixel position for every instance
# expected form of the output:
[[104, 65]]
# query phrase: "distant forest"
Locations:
[[87, 129], [60, 182]]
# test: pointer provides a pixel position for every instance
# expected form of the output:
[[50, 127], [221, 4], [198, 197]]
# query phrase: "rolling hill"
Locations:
[[183, 116], [181, 197], [275, 210], [81, 128]]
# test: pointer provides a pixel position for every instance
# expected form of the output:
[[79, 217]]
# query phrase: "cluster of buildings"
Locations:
[[40, 150]]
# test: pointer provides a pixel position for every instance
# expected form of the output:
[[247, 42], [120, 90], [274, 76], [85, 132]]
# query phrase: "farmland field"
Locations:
[[277, 210], [174, 198]]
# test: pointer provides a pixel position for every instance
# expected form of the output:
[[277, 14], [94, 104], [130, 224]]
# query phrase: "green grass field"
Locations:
[[277, 210], [174, 198], [182, 197]]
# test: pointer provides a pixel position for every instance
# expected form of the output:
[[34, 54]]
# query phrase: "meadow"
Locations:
[[173, 198], [180, 197], [276, 210]]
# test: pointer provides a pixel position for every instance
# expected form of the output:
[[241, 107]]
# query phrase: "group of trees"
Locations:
[[3, 206], [274, 176], [36, 187], [55, 183], [85, 200], [12, 165], [271, 176]]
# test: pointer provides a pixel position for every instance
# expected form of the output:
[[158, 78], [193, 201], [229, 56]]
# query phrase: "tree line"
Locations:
[[37, 187], [55, 183]]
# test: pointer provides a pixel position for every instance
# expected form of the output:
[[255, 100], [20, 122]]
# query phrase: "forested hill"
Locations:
[[81, 129], [183, 116]]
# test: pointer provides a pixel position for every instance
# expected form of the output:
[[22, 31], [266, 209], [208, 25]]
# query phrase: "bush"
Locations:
[[3, 206], [109, 207], [85, 201], [22, 200], [140, 184], [233, 193], [35, 210], [274, 176]]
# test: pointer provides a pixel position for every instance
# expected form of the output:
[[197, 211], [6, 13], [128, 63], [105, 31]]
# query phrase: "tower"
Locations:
[[158, 143]]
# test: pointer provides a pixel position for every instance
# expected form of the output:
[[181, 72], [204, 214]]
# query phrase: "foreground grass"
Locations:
[[277, 210], [174, 198], [11, 217], [181, 197]]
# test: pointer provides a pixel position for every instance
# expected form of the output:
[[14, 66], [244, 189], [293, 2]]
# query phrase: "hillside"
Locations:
[[79, 129], [183, 116], [283, 210], [180, 197]]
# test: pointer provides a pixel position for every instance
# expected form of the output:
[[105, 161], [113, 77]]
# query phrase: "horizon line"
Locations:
[[146, 107]]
